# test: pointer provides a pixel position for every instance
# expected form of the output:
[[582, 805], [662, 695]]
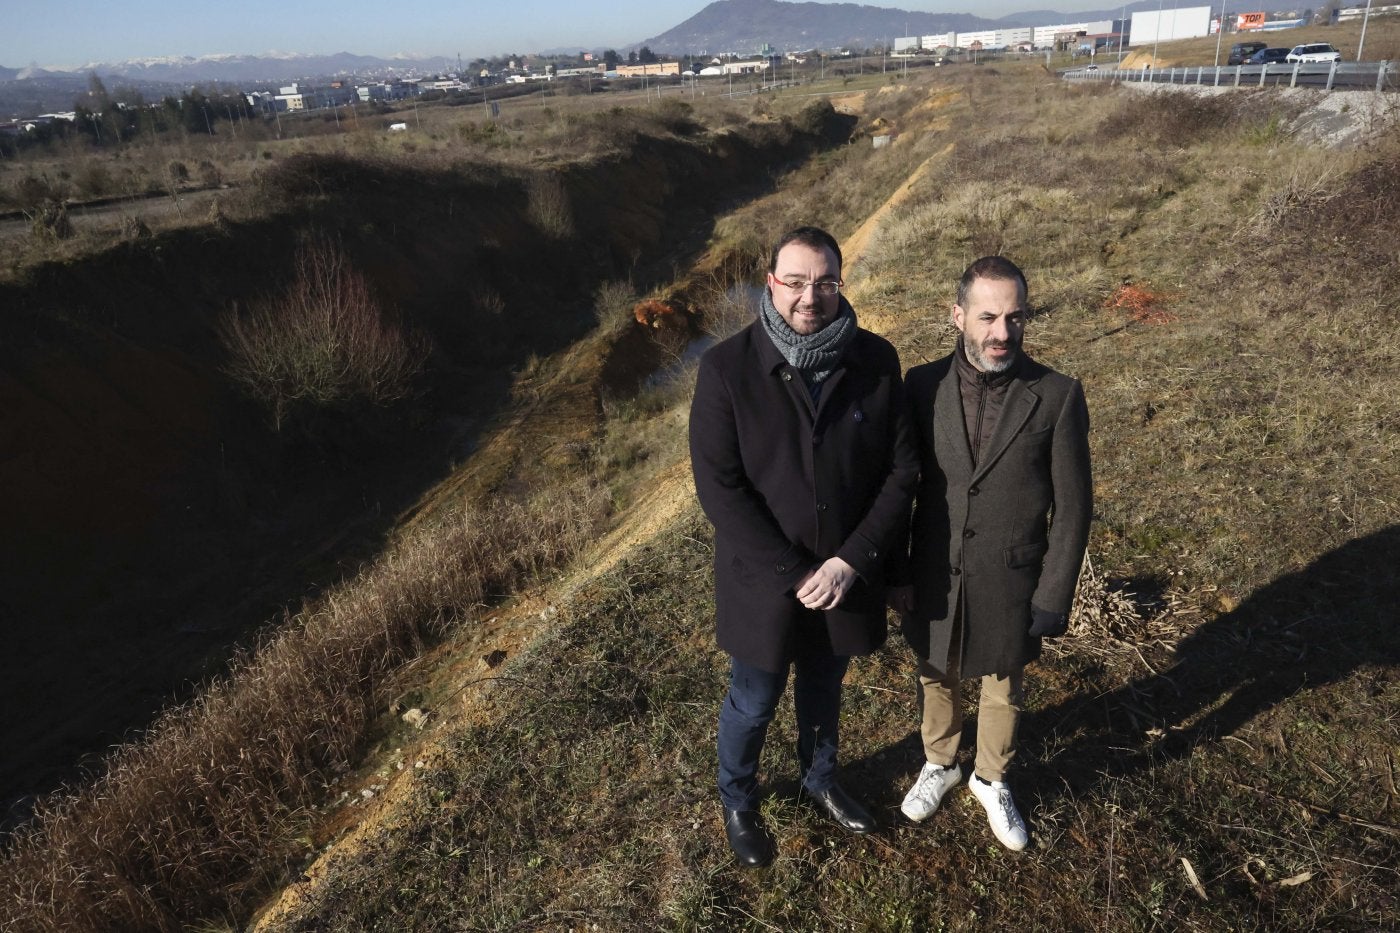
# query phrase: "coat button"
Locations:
[[787, 377], [955, 571], [821, 506], [781, 568], [872, 554], [968, 533], [973, 490]]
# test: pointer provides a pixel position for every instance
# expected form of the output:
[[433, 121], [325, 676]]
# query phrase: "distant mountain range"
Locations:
[[244, 69]]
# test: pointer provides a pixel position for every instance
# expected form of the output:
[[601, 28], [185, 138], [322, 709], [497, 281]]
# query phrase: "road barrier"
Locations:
[[1327, 76]]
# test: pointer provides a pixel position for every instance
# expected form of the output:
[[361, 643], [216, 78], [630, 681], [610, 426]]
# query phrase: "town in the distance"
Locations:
[[1089, 39]]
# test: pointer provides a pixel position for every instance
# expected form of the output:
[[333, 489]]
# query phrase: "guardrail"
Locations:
[[1328, 76]]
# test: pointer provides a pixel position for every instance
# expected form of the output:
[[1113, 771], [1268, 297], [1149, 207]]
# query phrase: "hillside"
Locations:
[[154, 514], [1214, 748]]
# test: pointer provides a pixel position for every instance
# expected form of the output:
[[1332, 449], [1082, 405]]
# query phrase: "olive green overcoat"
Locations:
[[990, 540]]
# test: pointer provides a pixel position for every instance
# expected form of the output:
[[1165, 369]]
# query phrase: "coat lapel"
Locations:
[[1016, 410]]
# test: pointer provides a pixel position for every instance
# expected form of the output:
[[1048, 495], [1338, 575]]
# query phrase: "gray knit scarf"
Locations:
[[814, 355]]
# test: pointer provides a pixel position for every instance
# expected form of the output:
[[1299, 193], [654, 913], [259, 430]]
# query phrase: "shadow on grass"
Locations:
[[1305, 630]]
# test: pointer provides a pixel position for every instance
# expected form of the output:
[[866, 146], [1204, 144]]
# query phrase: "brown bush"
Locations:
[[1173, 119], [325, 342], [50, 222], [93, 180], [549, 207], [32, 191]]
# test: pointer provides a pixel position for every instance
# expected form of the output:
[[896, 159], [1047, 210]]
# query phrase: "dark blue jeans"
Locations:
[[749, 707]]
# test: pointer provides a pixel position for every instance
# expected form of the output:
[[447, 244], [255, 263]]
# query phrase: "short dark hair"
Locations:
[[990, 267], [815, 237]]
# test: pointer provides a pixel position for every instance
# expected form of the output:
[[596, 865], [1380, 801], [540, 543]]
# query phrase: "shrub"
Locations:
[[134, 228], [93, 180], [549, 206], [677, 116], [50, 222], [325, 342], [32, 191]]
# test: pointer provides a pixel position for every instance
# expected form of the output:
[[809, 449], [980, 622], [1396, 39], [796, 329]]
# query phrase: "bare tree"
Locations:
[[325, 342]]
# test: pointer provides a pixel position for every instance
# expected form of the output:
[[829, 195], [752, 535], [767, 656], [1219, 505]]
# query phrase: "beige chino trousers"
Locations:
[[998, 714]]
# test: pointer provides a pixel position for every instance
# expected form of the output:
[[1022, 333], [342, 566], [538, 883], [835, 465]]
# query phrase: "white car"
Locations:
[[1313, 52]]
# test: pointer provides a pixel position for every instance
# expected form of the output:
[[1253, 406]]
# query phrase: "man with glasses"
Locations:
[[804, 461], [1001, 521]]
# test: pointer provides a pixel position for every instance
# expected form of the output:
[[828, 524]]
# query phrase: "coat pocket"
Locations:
[[740, 572], [1026, 555]]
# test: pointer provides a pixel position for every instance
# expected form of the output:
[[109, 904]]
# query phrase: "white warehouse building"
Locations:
[[1041, 36]]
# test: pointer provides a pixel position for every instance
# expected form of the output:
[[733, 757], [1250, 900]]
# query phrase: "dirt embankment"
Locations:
[[153, 517]]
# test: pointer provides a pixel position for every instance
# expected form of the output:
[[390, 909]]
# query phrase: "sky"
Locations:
[[72, 33]]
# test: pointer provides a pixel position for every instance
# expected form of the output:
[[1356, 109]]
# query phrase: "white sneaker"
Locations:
[[924, 797], [1002, 814]]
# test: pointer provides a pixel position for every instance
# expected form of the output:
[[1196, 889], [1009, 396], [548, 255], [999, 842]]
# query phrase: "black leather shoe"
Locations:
[[747, 837], [843, 809]]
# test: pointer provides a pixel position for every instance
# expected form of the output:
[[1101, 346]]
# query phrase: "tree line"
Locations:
[[106, 120]]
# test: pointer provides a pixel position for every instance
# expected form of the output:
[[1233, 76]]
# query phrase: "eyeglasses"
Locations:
[[825, 287]]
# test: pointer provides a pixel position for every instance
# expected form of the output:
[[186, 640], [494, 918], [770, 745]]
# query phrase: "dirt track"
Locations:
[[109, 214]]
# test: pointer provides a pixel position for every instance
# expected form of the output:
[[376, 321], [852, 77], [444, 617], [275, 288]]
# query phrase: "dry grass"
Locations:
[[214, 803], [1223, 699]]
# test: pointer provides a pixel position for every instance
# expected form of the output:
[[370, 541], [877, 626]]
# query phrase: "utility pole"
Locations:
[[1122, 28], [1219, 34], [1157, 35], [1366, 17]]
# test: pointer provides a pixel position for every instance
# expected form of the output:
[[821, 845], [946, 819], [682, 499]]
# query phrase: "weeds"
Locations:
[[49, 222]]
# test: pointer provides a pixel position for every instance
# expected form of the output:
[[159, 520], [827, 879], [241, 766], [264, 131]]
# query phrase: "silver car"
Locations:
[[1314, 52]]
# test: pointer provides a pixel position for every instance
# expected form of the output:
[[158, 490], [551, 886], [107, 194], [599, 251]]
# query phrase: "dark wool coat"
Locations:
[[788, 485], [1008, 533]]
